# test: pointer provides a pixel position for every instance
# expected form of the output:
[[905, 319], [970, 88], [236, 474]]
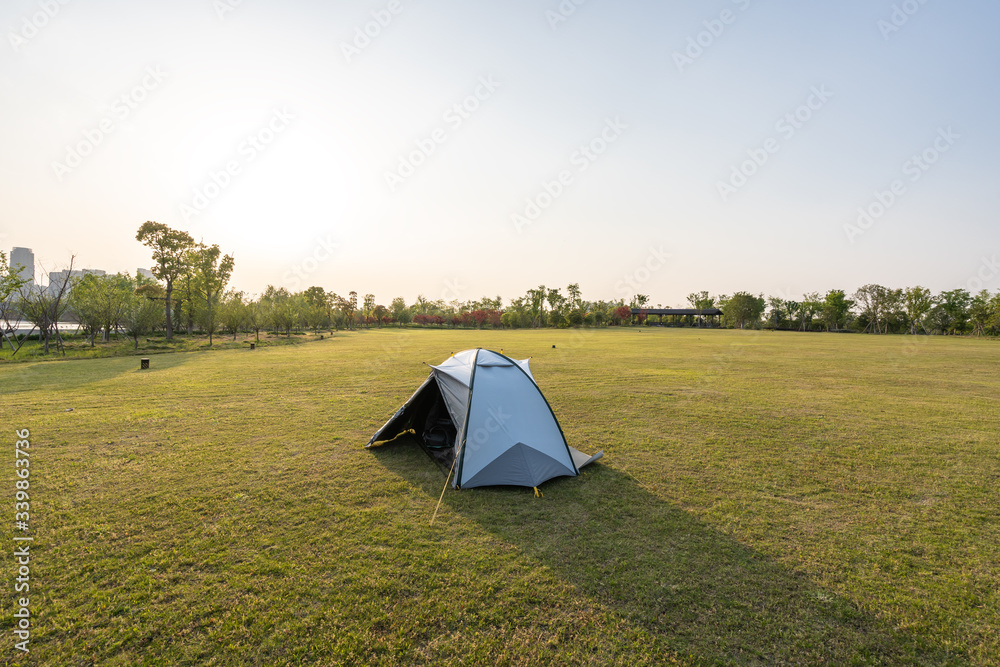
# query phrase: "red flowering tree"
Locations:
[[479, 317]]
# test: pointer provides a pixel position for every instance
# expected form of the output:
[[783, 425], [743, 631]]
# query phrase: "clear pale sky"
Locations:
[[119, 112]]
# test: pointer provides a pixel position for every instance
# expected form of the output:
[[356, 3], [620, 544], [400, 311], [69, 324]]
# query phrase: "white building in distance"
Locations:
[[56, 278], [26, 258]]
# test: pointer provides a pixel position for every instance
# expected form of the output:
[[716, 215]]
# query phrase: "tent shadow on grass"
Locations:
[[699, 590]]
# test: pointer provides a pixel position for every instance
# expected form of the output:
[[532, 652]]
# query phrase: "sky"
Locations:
[[467, 149]]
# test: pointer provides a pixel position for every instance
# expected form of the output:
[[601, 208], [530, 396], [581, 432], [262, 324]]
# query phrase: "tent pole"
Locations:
[[444, 489]]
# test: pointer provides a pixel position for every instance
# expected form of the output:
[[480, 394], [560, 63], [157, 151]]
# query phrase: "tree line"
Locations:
[[189, 291], [871, 308], [122, 304]]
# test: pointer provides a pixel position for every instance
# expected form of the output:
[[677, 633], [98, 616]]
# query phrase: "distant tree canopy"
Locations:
[[743, 309], [170, 256], [210, 272], [99, 301], [113, 304], [201, 271], [701, 300], [835, 309], [44, 307], [192, 279]]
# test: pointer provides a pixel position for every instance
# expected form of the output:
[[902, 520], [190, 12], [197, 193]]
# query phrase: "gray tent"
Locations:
[[481, 414]]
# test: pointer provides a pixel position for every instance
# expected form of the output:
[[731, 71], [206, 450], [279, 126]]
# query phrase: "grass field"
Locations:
[[77, 346], [765, 498]]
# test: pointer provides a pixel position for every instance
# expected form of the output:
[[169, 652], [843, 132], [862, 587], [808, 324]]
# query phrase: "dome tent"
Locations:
[[481, 414]]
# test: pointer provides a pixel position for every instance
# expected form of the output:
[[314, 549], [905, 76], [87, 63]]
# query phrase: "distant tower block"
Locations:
[[26, 258]]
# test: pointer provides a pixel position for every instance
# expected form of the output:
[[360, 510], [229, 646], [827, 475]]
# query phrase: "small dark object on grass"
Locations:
[[321, 336], [253, 346], [553, 347], [143, 363]]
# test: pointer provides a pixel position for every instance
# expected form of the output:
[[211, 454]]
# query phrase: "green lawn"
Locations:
[[78, 346], [765, 498]]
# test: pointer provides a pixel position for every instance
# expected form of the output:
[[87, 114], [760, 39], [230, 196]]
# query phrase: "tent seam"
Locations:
[[465, 426]]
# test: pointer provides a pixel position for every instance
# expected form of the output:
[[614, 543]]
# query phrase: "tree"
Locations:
[[777, 306], [937, 320], [186, 299], [85, 302], [810, 307], [877, 303], [894, 312], [955, 304], [10, 279], [368, 307], [622, 315], [10, 284], [721, 302], [351, 307], [601, 312], [516, 316], [140, 314], [314, 312], [917, 302], [348, 306], [256, 317], [315, 308], [315, 296], [980, 312], [233, 313], [277, 306], [792, 308], [535, 301], [421, 305], [382, 315], [835, 309], [994, 320], [744, 308], [100, 300], [210, 271], [574, 296], [44, 307], [555, 298], [639, 301], [170, 248], [400, 313], [700, 300]]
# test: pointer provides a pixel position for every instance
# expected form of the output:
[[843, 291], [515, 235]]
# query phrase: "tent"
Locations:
[[481, 415]]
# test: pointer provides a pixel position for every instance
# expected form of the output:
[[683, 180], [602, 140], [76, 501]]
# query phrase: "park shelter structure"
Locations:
[[676, 313], [481, 415]]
